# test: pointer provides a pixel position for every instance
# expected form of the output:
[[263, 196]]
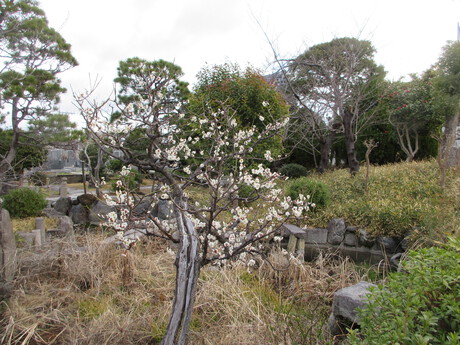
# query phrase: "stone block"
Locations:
[[316, 236], [290, 229]]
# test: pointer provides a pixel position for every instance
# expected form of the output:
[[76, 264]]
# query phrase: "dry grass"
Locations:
[[28, 224], [88, 293]]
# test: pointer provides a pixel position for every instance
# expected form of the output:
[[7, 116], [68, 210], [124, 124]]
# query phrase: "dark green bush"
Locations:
[[318, 191], [247, 192], [24, 202], [419, 305], [293, 170], [114, 165]]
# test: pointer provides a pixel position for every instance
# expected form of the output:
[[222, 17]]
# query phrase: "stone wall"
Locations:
[[342, 239]]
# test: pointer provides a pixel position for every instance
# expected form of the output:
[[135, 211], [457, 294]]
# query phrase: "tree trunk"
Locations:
[[449, 136], [325, 150], [353, 163], [188, 265], [6, 163], [97, 171]]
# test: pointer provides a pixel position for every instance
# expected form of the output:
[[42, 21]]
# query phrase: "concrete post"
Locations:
[[38, 237], [40, 225]]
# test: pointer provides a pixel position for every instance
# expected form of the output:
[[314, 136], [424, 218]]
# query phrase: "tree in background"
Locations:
[[412, 113], [254, 100], [29, 155], [54, 129], [32, 54], [336, 87], [447, 86]]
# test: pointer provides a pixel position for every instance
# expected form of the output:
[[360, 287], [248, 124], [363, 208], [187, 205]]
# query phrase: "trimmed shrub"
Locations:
[[419, 305], [24, 202], [318, 191], [293, 170]]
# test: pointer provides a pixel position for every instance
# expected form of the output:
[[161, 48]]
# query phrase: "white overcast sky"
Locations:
[[407, 34]]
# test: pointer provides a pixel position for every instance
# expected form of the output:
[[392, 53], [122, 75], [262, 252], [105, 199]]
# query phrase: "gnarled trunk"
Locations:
[[188, 265], [353, 163]]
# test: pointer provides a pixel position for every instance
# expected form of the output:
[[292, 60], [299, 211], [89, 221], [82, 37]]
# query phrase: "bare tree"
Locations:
[[336, 85]]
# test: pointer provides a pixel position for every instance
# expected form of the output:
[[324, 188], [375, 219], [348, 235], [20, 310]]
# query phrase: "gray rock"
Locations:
[[349, 299], [51, 213], [352, 229], [388, 244], [350, 239], [365, 239], [65, 225], [336, 228], [98, 212], [163, 210], [63, 205], [404, 244], [143, 207], [395, 261], [79, 214]]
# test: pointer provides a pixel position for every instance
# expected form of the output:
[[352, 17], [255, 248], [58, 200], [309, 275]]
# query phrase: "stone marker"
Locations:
[[63, 191], [8, 259]]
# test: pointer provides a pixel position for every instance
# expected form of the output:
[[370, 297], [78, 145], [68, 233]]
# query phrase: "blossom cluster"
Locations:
[[215, 153]]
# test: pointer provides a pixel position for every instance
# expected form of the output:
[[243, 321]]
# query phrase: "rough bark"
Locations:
[[353, 163], [188, 265], [7, 254], [449, 136]]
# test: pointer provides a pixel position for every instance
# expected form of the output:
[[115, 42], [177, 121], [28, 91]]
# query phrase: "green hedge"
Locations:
[[419, 305], [24, 202]]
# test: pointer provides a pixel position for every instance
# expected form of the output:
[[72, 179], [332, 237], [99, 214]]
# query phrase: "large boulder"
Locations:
[[99, 211], [79, 214], [344, 307], [63, 205], [163, 210], [87, 199]]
